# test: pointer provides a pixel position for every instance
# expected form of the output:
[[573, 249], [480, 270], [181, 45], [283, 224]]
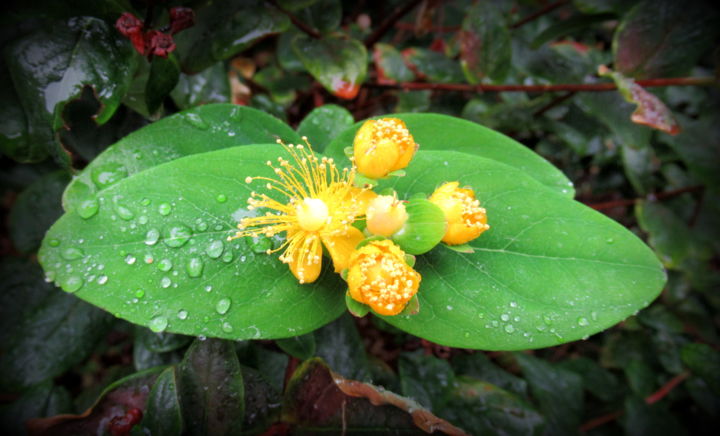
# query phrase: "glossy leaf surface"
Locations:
[[441, 132], [198, 130], [485, 48], [323, 124]]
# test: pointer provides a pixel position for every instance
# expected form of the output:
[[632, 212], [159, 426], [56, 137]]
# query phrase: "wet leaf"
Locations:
[[14, 140], [211, 388], [128, 393], [262, 402], [441, 132], [50, 67], [487, 409], [301, 347], [478, 366], [426, 379], [699, 147], [197, 130], [433, 66], [704, 362], [650, 111], [644, 419], [390, 64], [339, 63], [339, 344], [41, 400], [617, 119], [35, 209], [664, 38], [570, 25], [485, 49], [224, 28], [317, 399], [322, 15], [323, 124], [597, 380], [162, 414], [159, 342], [164, 75], [639, 164], [208, 86]]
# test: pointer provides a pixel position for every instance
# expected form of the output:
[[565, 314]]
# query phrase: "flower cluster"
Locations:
[[153, 41], [317, 205]]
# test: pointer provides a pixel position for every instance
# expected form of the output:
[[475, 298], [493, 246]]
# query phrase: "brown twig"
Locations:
[[389, 22], [556, 101], [656, 196], [547, 9], [650, 399], [573, 87], [299, 24]]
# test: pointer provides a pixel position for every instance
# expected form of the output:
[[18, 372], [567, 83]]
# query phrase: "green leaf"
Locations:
[[487, 409], [597, 380], [51, 332], [645, 419], [558, 391], [477, 365], [211, 388], [639, 165], [323, 15], [704, 362], [664, 38], [40, 400], [596, 105], [698, 145], [485, 49], [208, 86], [224, 28], [164, 75], [50, 68], [283, 86], [434, 66], [14, 140], [339, 63], [340, 345], [390, 64], [441, 132], [162, 411], [156, 254], [262, 402], [426, 379], [413, 101], [159, 342], [641, 377], [323, 124], [424, 228], [301, 347], [35, 209], [209, 127], [570, 25], [356, 308]]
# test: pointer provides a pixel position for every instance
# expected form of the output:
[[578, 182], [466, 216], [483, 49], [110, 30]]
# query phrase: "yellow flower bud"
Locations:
[[385, 215], [379, 277], [465, 218], [382, 146]]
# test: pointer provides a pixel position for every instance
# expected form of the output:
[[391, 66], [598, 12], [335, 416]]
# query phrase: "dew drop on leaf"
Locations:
[[223, 306], [165, 282], [54, 242], [73, 283], [509, 328], [139, 293], [107, 174], [195, 121], [221, 198], [152, 236], [88, 208], [582, 321], [158, 324], [226, 327], [72, 253], [260, 244], [215, 249], [176, 235], [194, 267], [121, 210], [182, 314], [164, 209], [130, 259], [102, 280], [165, 265]]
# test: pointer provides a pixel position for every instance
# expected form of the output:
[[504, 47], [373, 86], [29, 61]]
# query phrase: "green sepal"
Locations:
[[462, 248], [397, 173], [349, 152], [344, 274], [368, 240], [420, 195], [424, 228], [412, 308], [356, 308], [410, 260], [363, 181]]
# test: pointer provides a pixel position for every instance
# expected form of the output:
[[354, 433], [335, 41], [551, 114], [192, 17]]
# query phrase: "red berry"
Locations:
[[128, 24], [158, 43], [181, 18]]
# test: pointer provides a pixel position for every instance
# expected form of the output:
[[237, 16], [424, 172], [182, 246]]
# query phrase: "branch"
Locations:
[[299, 24], [650, 399], [389, 22], [547, 9], [656, 196], [572, 87]]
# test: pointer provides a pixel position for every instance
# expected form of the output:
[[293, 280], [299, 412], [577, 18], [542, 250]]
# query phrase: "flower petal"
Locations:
[[341, 247], [307, 264]]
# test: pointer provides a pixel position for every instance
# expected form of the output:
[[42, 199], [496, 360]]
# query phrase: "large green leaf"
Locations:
[[441, 132], [323, 124], [209, 86], [155, 253], [549, 270], [50, 67], [205, 128], [485, 49]]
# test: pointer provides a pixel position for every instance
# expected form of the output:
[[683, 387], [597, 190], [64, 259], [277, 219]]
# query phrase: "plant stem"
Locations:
[[547, 9], [389, 22], [572, 87], [299, 24]]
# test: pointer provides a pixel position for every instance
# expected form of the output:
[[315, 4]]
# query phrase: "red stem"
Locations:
[[389, 22], [299, 24]]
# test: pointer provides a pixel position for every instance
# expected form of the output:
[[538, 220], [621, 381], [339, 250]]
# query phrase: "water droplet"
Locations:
[[481, 315], [201, 226], [72, 284], [223, 306], [208, 288], [49, 276], [145, 202], [148, 258], [227, 257], [130, 259], [53, 242], [152, 236], [182, 314], [467, 334], [122, 211], [610, 241], [582, 321], [513, 304], [194, 120], [449, 307], [88, 208], [226, 327], [139, 293], [165, 265], [260, 244], [594, 316], [509, 328], [165, 282], [505, 317], [176, 235], [547, 320], [72, 253], [194, 267], [142, 219], [107, 174], [102, 280], [158, 324], [164, 209], [221, 198], [215, 249]]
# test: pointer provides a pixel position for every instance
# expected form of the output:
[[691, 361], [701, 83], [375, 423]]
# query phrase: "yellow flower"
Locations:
[[465, 218], [379, 277], [385, 215], [319, 209], [383, 146]]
